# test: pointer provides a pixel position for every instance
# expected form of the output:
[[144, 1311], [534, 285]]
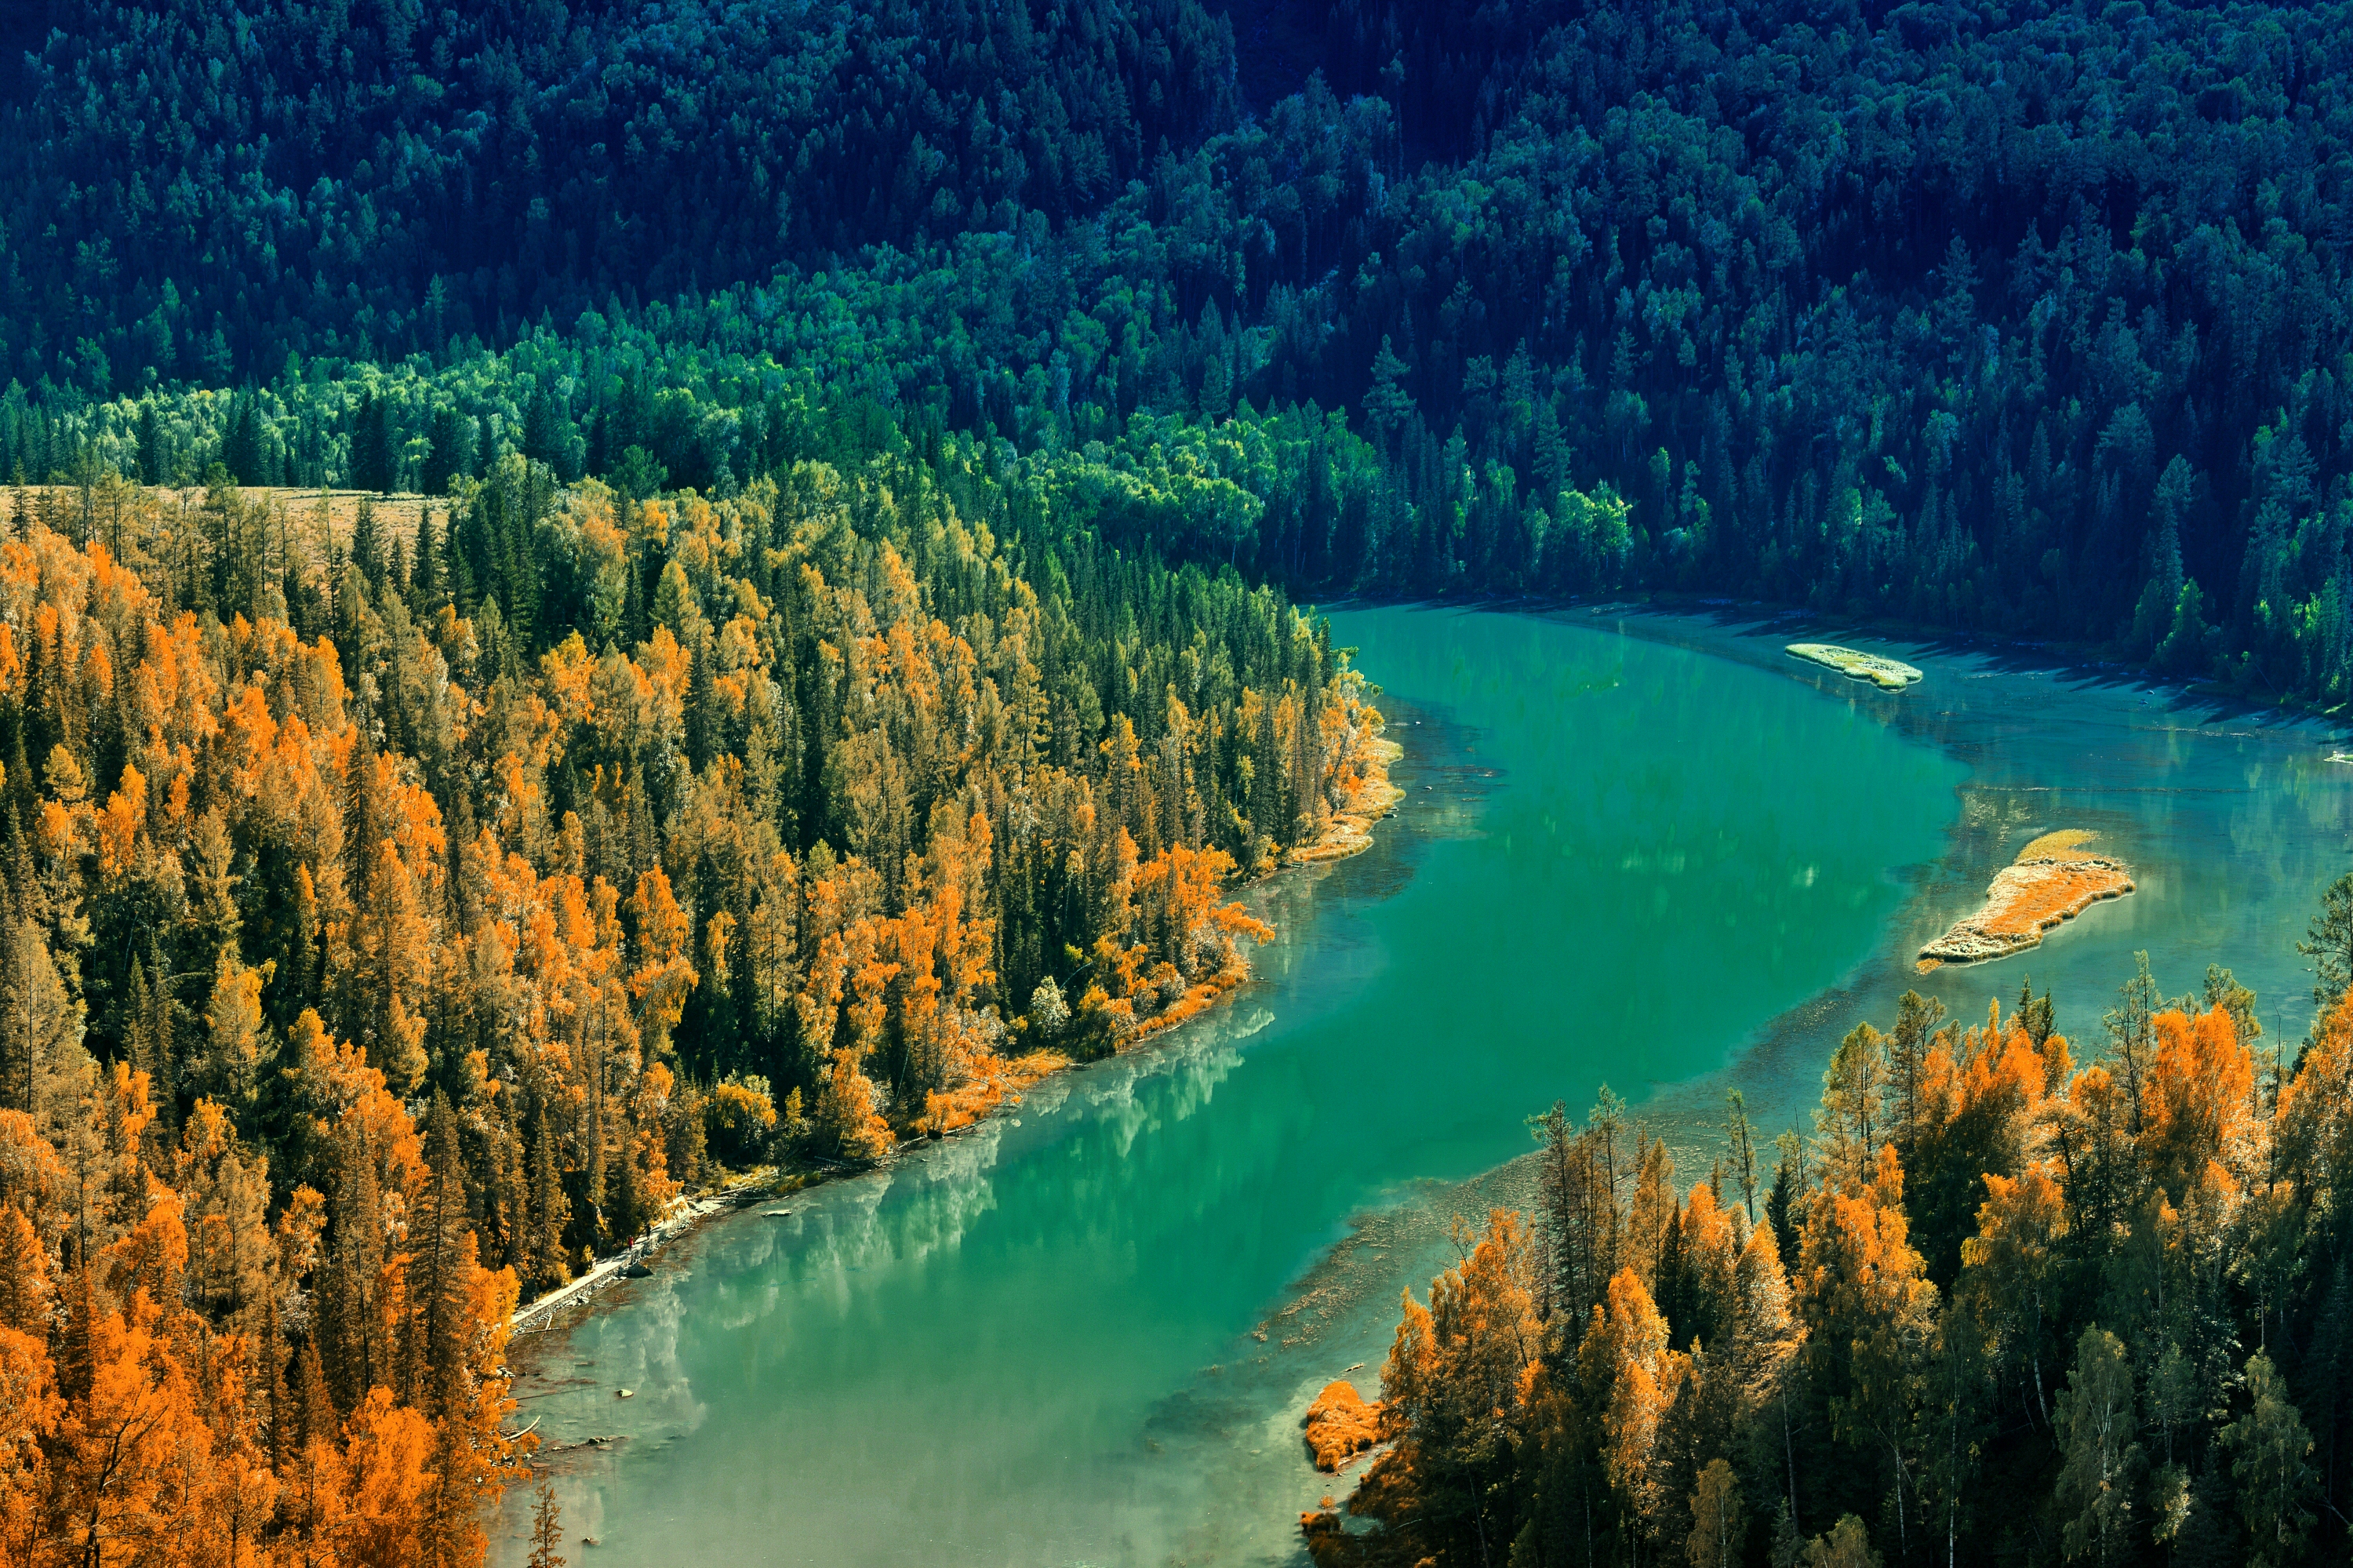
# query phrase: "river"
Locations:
[[1640, 850]]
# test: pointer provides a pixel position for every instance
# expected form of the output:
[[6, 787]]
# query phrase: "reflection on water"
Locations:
[[903, 1215], [1656, 854]]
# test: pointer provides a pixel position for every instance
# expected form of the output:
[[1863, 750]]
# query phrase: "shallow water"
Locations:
[[1654, 853]]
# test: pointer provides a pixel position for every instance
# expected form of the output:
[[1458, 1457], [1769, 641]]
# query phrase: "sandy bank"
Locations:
[[684, 1213], [1887, 674], [2052, 881], [1366, 796]]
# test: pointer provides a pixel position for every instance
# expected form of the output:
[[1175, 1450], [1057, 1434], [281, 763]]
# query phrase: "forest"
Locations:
[[1997, 1307], [394, 922], [2023, 319]]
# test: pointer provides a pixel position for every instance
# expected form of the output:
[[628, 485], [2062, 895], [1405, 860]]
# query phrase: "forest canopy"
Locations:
[[2025, 319]]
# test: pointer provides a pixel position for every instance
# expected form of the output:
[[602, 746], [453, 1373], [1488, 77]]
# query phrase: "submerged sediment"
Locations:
[[2050, 881]]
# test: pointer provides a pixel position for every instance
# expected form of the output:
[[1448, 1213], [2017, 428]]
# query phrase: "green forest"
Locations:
[[2025, 319], [597, 594]]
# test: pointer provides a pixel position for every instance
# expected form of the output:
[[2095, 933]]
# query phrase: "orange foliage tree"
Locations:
[[2018, 1296]]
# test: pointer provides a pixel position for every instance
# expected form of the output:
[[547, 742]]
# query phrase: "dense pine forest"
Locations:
[[1997, 1307], [2025, 319], [833, 657]]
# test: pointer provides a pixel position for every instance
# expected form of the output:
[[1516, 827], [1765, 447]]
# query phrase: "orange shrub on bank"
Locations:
[[1340, 1425]]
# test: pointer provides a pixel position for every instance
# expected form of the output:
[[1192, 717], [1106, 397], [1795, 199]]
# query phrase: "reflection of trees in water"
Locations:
[[645, 1358], [928, 1203], [749, 1277]]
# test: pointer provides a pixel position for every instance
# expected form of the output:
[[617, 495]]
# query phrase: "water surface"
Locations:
[[1651, 852]]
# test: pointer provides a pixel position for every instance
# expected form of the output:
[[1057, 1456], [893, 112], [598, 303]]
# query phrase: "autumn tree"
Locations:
[[1868, 1311], [546, 1528], [1453, 1395], [1719, 1526]]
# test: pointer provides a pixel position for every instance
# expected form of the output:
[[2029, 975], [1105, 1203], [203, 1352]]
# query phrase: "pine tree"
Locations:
[[630, 1214], [541, 431], [351, 1314], [281, 1418], [499, 1187], [372, 445], [1916, 1018], [546, 1528], [1739, 1135], [1852, 1121], [1675, 1290], [242, 453], [2328, 943], [314, 1418], [367, 544], [151, 444], [150, 1030], [2132, 1035], [550, 1210], [426, 592], [1785, 1203], [439, 1252]]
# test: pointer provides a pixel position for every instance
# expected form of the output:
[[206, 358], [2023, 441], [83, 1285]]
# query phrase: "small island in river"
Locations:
[[2049, 882], [1887, 674]]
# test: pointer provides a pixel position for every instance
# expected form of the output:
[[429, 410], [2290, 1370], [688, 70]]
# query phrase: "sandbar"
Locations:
[[1887, 674], [2053, 880]]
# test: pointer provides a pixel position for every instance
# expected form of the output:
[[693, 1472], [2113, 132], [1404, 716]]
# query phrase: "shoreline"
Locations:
[[1372, 800], [688, 1211], [1771, 617]]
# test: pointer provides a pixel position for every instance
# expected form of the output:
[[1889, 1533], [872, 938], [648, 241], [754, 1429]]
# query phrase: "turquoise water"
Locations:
[[1654, 853]]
